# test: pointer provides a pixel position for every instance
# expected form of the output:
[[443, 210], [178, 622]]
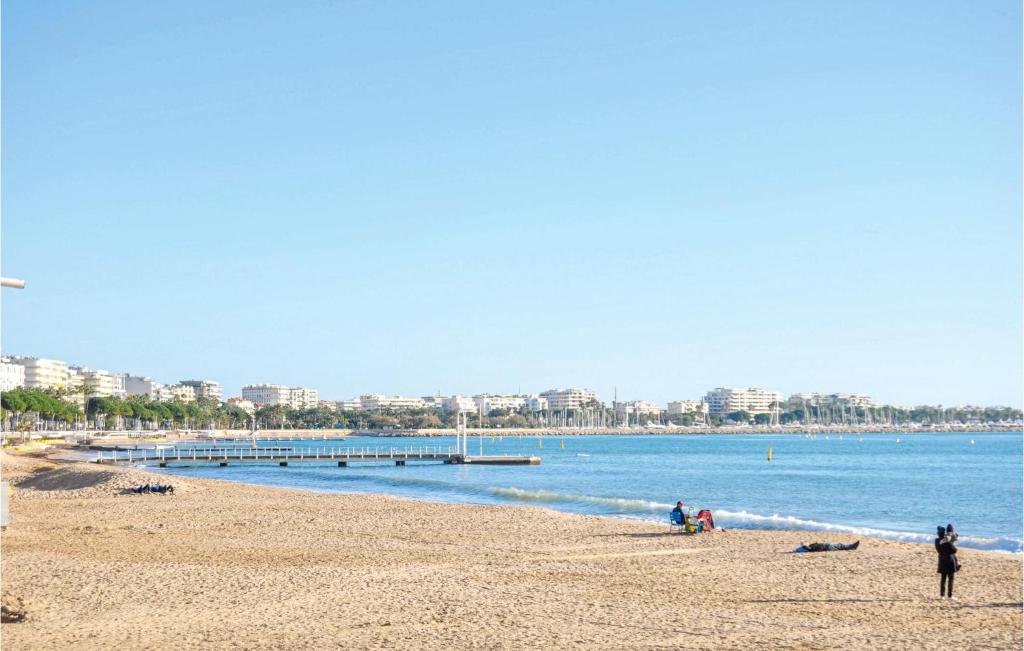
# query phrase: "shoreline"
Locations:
[[830, 528], [222, 563]]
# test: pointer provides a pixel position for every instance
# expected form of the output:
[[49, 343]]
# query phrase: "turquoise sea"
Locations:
[[897, 486]]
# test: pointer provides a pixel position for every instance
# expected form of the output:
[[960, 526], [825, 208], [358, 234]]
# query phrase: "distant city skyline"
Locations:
[[309, 395], [412, 199]]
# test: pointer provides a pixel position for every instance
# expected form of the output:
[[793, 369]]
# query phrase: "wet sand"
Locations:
[[223, 565]]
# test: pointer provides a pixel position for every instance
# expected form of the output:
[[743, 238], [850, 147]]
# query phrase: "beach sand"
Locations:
[[223, 565]]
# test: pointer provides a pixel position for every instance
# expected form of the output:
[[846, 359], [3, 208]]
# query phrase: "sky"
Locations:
[[413, 198]]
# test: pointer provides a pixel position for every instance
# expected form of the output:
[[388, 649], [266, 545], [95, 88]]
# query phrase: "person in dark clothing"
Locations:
[[679, 509], [827, 547], [944, 545]]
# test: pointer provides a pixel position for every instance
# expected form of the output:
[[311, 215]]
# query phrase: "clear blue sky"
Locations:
[[403, 198]]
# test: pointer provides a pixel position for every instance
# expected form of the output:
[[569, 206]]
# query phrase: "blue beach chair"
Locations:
[[675, 519]]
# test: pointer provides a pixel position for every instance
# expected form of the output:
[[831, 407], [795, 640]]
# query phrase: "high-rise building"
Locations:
[[752, 401]]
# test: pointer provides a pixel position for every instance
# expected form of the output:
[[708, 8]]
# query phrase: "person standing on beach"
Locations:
[[947, 559]]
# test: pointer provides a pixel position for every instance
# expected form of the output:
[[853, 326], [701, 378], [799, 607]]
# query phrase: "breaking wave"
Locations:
[[645, 509]]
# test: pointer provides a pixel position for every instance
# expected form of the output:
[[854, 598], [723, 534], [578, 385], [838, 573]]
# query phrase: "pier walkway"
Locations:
[[343, 456]]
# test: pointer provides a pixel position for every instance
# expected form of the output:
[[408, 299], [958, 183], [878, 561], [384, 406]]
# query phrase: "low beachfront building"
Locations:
[[752, 401], [245, 405], [486, 403], [349, 405], [12, 376], [204, 389], [535, 403], [848, 399], [459, 403], [680, 407], [434, 402], [635, 409], [377, 401]]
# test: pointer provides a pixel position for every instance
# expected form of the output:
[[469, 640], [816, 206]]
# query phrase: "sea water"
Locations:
[[890, 485]]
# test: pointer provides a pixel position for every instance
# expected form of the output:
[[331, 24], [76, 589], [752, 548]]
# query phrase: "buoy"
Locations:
[[562, 444], [540, 443], [897, 440], [972, 441], [769, 454]]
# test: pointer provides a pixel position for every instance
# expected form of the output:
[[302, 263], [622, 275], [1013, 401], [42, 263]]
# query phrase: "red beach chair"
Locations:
[[704, 515]]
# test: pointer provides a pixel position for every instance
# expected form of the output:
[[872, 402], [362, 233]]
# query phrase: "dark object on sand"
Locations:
[[827, 547]]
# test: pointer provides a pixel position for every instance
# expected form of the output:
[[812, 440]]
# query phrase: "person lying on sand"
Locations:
[[826, 547], [154, 488]]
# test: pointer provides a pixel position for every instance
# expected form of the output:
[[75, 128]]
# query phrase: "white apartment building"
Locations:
[[43, 373], [204, 388], [487, 403], [433, 402], [12, 376], [679, 407], [137, 385], [174, 392], [458, 403], [95, 383], [568, 398], [349, 405], [535, 403], [854, 399], [375, 401], [752, 401], [267, 394], [245, 405], [636, 408], [303, 398], [331, 405]]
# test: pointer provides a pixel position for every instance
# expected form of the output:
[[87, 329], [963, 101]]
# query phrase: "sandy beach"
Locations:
[[223, 565]]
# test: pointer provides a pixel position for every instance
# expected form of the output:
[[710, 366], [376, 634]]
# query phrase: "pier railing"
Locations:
[[252, 454]]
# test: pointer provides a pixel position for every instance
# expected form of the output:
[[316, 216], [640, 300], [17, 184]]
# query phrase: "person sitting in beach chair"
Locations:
[[826, 547], [677, 518]]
